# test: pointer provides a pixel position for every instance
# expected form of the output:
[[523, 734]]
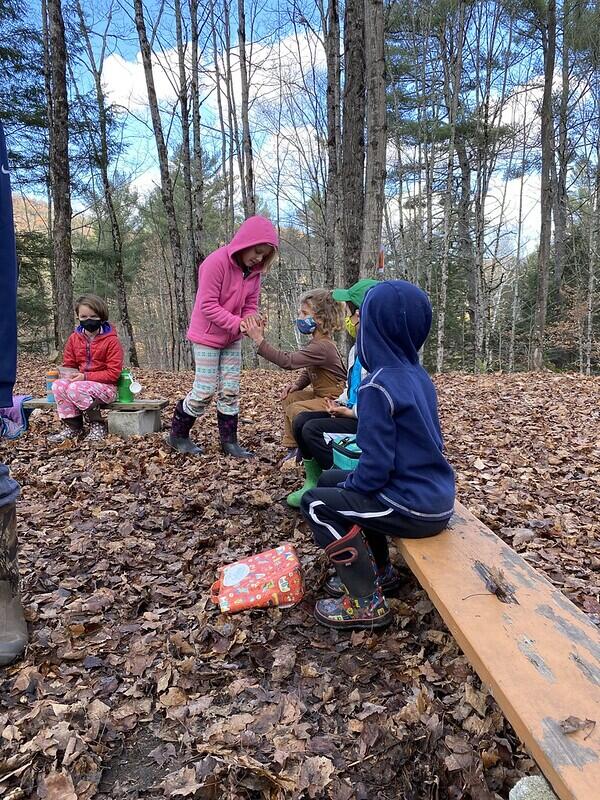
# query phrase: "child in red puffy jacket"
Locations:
[[94, 350]]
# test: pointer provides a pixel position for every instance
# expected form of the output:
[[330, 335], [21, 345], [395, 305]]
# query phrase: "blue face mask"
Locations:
[[306, 325]]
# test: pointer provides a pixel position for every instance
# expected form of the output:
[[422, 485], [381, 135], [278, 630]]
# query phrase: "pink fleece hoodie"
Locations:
[[224, 295]]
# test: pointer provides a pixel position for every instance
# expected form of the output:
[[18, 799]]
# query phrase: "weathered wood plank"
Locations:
[[136, 405], [537, 653]]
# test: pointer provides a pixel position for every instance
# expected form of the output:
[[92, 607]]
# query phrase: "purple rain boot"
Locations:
[[228, 424], [179, 436]]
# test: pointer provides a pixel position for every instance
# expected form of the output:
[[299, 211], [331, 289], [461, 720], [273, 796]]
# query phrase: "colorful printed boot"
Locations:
[[72, 428], [312, 471], [13, 628], [98, 429], [179, 436], [228, 425], [364, 607], [97, 432], [389, 579]]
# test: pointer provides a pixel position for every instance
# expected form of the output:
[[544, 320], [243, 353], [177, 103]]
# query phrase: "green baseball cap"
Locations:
[[355, 294]]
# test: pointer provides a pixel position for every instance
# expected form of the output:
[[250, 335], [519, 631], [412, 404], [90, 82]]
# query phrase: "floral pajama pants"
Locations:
[[73, 397]]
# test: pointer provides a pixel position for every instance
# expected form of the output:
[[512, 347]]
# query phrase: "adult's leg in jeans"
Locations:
[[13, 628], [313, 433], [298, 424]]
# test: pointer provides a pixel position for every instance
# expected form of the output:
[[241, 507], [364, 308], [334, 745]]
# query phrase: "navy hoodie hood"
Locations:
[[398, 316], [402, 461]]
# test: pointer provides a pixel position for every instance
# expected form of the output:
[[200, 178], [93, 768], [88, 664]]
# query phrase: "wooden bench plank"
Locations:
[[538, 654], [136, 405]]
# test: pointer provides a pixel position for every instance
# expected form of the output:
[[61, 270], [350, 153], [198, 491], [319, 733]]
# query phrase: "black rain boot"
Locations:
[[228, 424], [389, 579], [364, 607], [179, 436], [13, 628]]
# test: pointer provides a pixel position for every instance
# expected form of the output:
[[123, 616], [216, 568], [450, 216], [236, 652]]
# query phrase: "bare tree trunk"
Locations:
[[594, 253], [166, 187], [560, 197], [49, 115], [197, 166], [224, 157], [353, 138], [452, 80], [548, 31], [101, 158], [248, 175], [186, 161], [235, 149], [376, 134], [330, 23], [515, 302], [60, 177]]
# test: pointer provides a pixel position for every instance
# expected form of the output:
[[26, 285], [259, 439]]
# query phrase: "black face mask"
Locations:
[[91, 325]]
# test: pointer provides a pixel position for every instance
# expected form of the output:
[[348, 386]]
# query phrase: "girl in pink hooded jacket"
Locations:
[[228, 293]]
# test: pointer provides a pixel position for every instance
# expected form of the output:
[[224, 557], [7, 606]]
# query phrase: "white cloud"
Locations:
[[147, 181], [271, 64]]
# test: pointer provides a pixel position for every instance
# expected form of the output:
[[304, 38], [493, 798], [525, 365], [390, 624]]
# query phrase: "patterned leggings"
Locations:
[[216, 371], [73, 397]]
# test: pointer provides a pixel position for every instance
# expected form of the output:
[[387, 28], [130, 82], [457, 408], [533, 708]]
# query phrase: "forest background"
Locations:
[[455, 144]]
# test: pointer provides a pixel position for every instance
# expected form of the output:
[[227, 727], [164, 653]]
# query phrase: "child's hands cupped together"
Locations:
[[336, 410], [78, 377], [287, 390], [254, 328]]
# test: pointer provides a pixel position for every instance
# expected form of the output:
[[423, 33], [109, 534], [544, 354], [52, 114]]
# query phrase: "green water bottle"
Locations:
[[124, 393]]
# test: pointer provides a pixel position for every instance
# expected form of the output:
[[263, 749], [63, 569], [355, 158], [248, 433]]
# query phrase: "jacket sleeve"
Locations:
[[113, 367], [312, 356], [251, 302], [69, 357], [376, 437], [209, 289], [302, 381]]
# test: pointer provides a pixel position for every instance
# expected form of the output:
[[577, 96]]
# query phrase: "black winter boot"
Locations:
[[228, 424], [13, 628], [179, 436], [364, 607]]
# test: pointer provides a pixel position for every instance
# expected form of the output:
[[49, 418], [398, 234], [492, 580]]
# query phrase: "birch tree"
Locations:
[[166, 188]]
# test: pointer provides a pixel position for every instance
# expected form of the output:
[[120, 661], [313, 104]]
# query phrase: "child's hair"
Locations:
[[268, 262], [97, 304], [326, 311]]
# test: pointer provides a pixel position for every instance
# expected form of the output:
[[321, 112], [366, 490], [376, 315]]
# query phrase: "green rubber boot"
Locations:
[[312, 471]]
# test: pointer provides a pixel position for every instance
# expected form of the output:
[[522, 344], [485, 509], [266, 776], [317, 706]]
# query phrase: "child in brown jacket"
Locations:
[[322, 365]]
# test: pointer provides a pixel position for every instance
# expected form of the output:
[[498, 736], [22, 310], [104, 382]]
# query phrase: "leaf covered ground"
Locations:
[[135, 686]]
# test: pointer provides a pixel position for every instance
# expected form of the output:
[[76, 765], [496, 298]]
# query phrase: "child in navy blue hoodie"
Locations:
[[403, 486]]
